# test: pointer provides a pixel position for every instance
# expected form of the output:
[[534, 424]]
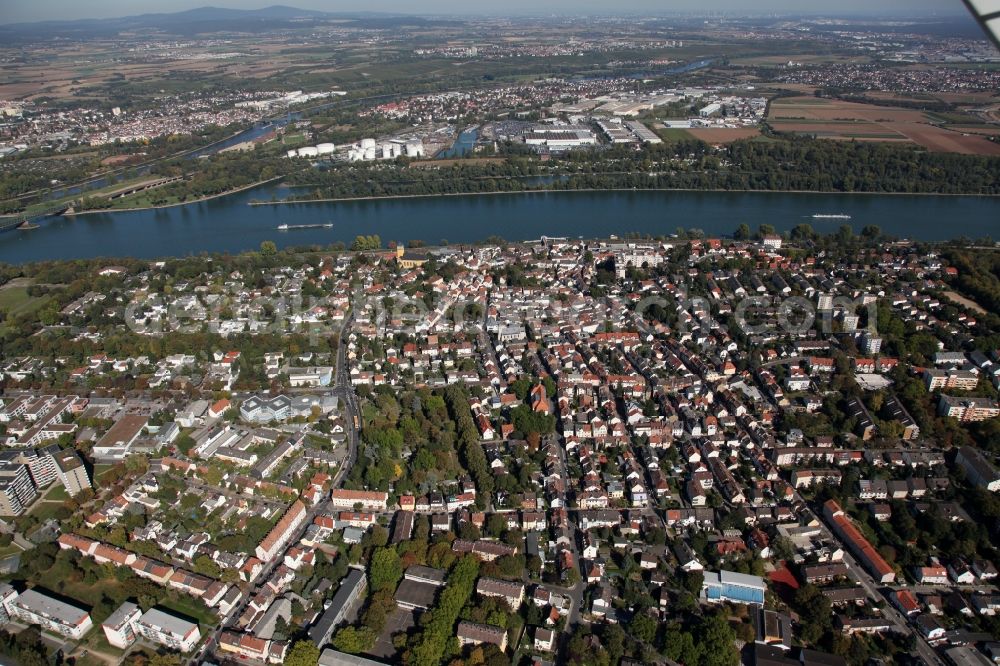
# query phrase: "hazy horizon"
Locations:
[[16, 11]]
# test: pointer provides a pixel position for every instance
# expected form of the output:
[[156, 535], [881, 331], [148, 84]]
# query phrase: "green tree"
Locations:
[[268, 248], [719, 642], [679, 645], [439, 630], [692, 581], [643, 627], [802, 232], [302, 653], [362, 243], [206, 566], [814, 613], [871, 232], [385, 570], [353, 640], [783, 548], [613, 638]]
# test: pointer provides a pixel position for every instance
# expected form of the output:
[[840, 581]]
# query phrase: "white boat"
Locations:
[[831, 216], [288, 227]]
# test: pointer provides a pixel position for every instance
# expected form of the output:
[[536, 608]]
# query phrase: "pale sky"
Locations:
[[13, 11]]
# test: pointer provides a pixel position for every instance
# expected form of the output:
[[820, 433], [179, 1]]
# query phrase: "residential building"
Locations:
[[168, 630], [871, 344], [510, 591], [72, 472], [17, 491], [34, 607], [370, 500], [962, 380], [282, 532], [865, 425], [771, 241], [978, 470], [120, 627], [473, 633], [968, 409], [858, 544], [806, 478], [910, 428]]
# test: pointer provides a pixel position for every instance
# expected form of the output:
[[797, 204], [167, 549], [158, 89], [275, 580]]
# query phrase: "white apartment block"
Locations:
[[33, 607]]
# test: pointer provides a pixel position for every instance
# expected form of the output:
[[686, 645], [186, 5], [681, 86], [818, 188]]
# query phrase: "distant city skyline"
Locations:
[[14, 11]]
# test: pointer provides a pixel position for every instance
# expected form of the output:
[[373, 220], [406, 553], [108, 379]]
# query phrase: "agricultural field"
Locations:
[[841, 120], [722, 135], [670, 134], [806, 59], [961, 99], [90, 71]]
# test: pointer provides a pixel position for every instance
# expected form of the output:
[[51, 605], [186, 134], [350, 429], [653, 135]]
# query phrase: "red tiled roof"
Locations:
[[76, 541], [278, 531], [359, 495]]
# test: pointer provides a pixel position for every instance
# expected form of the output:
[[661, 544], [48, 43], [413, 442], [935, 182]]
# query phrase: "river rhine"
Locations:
[[228, 224]]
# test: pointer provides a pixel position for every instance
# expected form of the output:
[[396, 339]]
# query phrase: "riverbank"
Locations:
[[82, 186], [434, 195], [180, 203]]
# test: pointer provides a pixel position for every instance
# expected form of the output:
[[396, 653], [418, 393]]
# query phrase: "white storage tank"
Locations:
[[325, 148], [292, 153], [308, 151], [370, 153], [367, 143], [415, 149]]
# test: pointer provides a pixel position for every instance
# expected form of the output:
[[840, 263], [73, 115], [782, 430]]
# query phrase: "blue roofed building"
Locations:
[[733, 587]]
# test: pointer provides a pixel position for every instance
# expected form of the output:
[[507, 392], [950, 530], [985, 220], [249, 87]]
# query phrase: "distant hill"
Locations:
[[200, 20]]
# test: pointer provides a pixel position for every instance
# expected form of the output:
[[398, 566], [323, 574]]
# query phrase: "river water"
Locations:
[[228, 224], [464, 144]]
